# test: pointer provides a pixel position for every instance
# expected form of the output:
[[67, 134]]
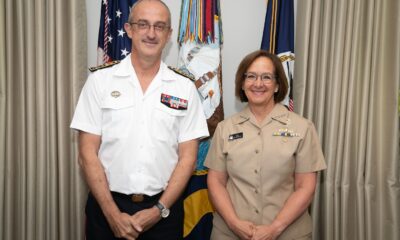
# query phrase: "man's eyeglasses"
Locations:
[[145, 26], [265, 77]]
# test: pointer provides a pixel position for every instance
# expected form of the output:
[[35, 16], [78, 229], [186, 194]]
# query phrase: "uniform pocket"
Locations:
[[117, 116], [166, 122]]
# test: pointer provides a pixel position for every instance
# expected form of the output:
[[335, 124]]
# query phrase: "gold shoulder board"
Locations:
[[182, 73], [105, 65]]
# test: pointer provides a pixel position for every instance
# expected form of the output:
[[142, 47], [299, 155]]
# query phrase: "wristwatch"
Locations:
[[164, 212]]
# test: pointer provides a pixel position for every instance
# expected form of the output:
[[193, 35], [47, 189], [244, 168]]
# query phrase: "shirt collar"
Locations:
[[125, 69], [279, 113], [242, 116], [168, 75]]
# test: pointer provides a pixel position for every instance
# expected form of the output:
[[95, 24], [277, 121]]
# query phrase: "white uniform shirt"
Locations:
[[139, 133]]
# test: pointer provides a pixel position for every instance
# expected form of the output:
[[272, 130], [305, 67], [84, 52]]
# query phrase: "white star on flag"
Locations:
[[121, 32], [110, 39], [124, 52], [119, 13]]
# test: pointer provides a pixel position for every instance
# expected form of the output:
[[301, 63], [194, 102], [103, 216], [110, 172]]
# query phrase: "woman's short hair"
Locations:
[[244, 65]]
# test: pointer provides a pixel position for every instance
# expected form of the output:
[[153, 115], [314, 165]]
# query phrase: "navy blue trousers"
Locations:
[[97, 228]]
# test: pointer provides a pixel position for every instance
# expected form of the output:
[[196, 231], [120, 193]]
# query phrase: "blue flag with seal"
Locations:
[[278, 38]]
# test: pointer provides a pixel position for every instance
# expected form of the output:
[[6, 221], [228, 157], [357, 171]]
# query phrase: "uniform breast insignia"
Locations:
[[105, 65], [235, 136], [174, 102], [184, 73], [115, 94], [284, 132]]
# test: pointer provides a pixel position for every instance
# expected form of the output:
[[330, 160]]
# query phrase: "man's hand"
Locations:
[[147, 217], [125, 226]]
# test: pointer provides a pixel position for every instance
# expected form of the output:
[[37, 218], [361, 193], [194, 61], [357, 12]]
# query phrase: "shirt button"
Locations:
[[255, 171], [256, 191], [259, 133], [256, 151], [256, 211]]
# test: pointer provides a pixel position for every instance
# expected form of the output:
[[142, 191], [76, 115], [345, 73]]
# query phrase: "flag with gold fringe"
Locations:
[[278, 38], [200, 41]]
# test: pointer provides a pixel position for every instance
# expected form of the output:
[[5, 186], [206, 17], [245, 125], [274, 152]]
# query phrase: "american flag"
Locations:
[[278, 38], [113, 43]]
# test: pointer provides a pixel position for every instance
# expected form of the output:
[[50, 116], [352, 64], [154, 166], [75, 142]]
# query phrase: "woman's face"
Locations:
[[260, 84]]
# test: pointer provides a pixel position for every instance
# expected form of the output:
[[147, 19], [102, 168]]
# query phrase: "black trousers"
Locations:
[[97, 228]]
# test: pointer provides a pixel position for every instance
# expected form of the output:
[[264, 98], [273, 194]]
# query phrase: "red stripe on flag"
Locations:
[[208, 18], [291, 105], [106, 23]]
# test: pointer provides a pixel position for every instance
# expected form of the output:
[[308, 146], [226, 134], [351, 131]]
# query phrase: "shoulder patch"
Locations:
[[105, 65], [184, 73]]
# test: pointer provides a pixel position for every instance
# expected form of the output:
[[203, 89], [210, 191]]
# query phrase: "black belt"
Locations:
[[137, 198]]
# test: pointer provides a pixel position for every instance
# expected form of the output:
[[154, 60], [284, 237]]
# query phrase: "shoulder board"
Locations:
[[105, 65], [184, 73]]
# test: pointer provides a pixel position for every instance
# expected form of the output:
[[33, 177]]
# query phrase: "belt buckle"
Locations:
[[137, 198]]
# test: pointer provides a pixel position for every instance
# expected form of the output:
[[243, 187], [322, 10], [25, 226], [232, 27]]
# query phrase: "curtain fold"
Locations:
[[45, 66], [347, 81], [2, 108]]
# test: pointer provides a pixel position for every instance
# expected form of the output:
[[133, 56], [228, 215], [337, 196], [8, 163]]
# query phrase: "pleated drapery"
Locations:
[[347, 76], [43, 65]]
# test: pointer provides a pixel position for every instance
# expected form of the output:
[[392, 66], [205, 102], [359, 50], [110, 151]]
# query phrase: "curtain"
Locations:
[[347, 78], [43, 66], [2, 107]]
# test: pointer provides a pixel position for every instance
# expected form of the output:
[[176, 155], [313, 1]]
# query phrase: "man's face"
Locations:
[[149, 29]]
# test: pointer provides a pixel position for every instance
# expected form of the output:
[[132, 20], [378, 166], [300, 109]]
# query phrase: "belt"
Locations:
[[137, 198]]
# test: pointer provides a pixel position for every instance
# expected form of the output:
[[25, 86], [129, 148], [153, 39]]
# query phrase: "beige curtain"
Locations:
[[2, 108], [347, 78], [43, 64]]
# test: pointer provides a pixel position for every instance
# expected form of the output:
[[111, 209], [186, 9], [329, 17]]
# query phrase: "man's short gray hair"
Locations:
[[139, 1]]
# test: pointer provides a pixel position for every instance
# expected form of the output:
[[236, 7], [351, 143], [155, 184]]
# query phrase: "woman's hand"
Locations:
[[265, 232], [243, 229]]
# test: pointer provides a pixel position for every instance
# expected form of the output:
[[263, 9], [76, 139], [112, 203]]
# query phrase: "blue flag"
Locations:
[[278, 38], [113, 43]]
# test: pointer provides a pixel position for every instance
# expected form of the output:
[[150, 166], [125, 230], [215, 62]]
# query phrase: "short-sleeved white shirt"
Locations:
[[139, 132]]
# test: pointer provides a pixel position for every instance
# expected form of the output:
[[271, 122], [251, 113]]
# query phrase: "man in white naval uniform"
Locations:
[[139, 125]]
